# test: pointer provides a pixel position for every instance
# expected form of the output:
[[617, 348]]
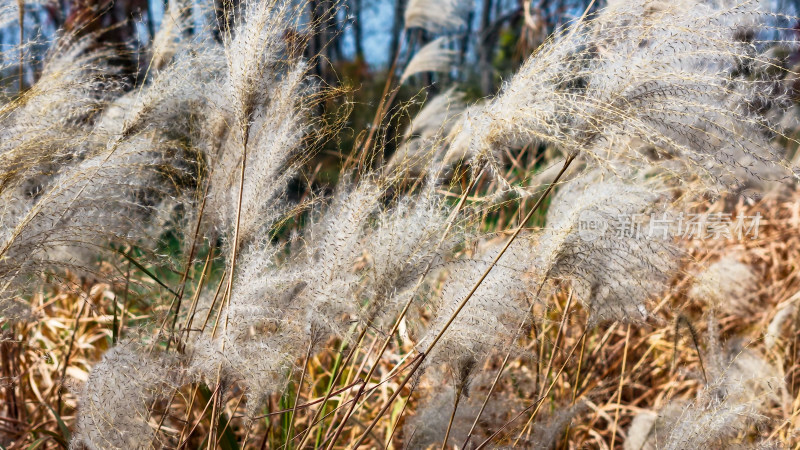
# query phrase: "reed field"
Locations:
[[532, 224]]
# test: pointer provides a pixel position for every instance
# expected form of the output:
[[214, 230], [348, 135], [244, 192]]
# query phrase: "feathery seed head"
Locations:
[[726, 285], [669, 77], [433, 57], [612, 272], [114, 403], [439, 16]]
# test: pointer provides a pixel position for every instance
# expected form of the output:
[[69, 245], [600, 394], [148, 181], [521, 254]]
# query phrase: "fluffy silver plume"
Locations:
[[596, 238], [433, 57], [667, 76], [115, 400], [439, 16], [727, 285]]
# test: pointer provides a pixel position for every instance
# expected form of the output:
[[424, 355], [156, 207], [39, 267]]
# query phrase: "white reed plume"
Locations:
[[743, 386], [257, 346], [8, 13], [488, 322], [256, 350], [85, 193], [9, 9], [437, 116], [256, 53], [460, 148], [329, 263], [669, 77], [427, 428], [401, 244], [166, 40], [438, 16], [258, 112], [746, 387], [424, 139], [776, 325], [104, 197], [115, 400], [614, 271], [434, 56], [727, 285], [47, 125]]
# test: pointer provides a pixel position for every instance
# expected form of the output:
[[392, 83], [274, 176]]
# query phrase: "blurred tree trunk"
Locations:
[[55, 10], [151, 23], [397, 29], [114, 19], [537, 26], [466, 38], [485, 45], [113, 24], [358, 31], [187, 16], [424, 37], [315, 43], [331, 31]]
